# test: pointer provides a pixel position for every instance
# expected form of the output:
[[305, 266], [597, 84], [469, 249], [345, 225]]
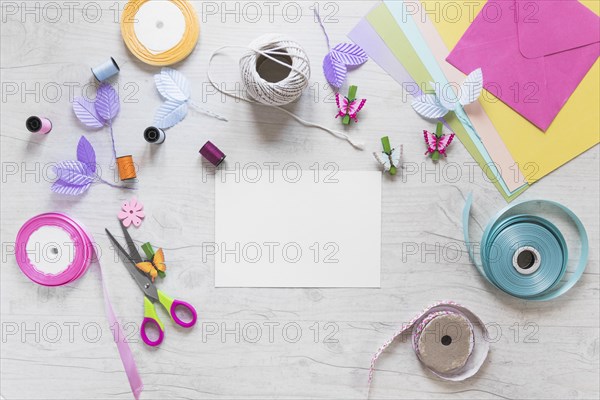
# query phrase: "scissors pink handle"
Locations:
[[151, 319], [157, 325], [186, 324]]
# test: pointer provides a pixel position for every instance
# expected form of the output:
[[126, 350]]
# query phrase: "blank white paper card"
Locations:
[[297, 228]]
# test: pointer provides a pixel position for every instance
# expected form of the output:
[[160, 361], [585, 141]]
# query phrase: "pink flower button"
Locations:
[[132, 212]]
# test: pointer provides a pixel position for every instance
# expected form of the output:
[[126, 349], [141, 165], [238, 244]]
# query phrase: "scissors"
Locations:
[[152, 294]]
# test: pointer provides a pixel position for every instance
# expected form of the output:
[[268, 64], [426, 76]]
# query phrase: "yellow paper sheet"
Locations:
[[575, 129]]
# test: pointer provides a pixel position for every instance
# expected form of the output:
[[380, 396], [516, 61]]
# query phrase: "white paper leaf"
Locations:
[[471, 88], [429, 106], [170, 113], [173, 85], [442, 96]]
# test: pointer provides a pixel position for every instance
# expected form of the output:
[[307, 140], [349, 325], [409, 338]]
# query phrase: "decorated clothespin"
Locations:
[[155, 266], [148, 250], [349, 106], [390, 159], [437, 143]]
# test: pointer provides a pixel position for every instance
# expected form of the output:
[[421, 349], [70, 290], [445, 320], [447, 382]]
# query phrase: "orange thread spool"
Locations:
[[126, 168]]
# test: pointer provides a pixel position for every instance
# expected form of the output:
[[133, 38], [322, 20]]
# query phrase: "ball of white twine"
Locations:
[[275, 93]]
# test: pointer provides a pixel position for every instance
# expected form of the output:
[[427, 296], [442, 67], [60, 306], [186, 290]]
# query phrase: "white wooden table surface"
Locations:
[[56, 342]]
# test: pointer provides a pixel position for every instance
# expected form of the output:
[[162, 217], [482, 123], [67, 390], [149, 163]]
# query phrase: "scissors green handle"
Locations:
[[170, 305]]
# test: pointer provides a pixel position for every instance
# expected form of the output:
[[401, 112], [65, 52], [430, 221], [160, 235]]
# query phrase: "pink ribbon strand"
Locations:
[[83, 254]]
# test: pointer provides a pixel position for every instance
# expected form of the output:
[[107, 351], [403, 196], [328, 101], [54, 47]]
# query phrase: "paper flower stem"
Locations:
[[322, 27], [207, 112], [113, 185], [112, 138]]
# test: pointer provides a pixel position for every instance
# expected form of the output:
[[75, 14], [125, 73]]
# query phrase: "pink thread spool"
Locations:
[[212, 153], [39, 125]]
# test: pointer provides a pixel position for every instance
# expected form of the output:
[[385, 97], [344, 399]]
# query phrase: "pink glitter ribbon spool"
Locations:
[[464, 329], [39, 125], [81, 255]]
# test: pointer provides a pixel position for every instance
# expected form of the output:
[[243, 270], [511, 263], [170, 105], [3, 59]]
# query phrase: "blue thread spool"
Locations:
[[154, 135], [106, 70]]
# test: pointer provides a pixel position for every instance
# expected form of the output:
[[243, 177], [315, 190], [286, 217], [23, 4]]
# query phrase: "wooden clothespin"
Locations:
[[387, 149], [148, 250], [351, 97], [438, 133]]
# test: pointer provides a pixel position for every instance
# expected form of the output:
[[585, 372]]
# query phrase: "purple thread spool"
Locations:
[[212, 153]]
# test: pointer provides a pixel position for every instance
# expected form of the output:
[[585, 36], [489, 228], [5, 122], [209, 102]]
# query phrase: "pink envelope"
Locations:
[[533, 53]]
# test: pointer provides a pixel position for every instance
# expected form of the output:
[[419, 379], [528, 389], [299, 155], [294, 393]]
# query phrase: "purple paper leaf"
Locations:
[[107, 102], [73, 172], [63, 187], [335, 72], [349, 54], [86, 113], [86, 154]]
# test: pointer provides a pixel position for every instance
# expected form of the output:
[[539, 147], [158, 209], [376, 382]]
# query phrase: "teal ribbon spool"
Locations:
[[525, 255]]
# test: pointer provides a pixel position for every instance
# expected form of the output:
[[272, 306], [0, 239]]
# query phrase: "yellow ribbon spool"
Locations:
[[172, 56]]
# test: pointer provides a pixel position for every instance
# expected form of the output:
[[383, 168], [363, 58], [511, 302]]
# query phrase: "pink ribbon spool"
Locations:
[[82, 256]]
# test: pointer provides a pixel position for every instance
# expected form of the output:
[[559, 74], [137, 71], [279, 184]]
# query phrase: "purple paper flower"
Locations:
[[337, 61], [101, 112], [74, 177], [339, 58]]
